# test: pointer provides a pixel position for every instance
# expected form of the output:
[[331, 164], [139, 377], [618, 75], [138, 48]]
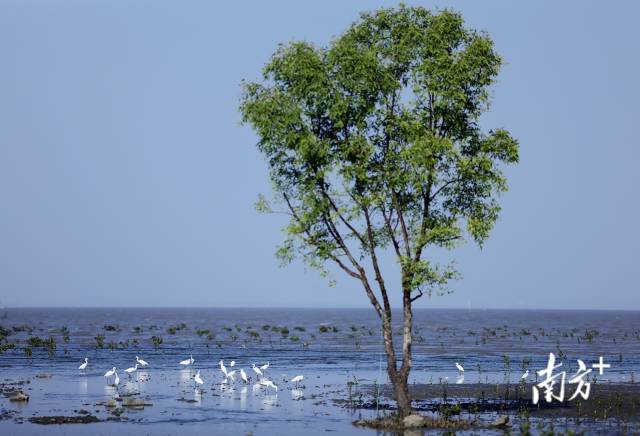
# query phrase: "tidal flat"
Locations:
[[340, 354]]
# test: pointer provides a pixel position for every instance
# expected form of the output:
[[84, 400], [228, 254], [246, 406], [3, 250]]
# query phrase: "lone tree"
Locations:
[[373, 143]]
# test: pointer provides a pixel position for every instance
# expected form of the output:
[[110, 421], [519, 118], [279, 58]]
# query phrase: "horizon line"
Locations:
[[5, 308]]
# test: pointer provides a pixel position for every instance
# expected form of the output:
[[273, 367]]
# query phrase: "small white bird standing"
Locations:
[[297, 379], [223, 368], [110, 373], [131, 370], [268, 384], [232, 375], [243, 376], [264, 367], [141, 362], [256, 370], [198, 380], [84, 365], [188, 361], [460, 368], [116, 381], [525, 375]]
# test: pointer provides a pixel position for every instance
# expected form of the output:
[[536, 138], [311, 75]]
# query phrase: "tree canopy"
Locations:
[[374, 142]]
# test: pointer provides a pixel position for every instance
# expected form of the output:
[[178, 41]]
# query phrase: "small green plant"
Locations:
[[99, 341], [156, 341]]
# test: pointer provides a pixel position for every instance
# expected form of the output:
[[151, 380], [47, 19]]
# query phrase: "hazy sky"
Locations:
[[126, 179]]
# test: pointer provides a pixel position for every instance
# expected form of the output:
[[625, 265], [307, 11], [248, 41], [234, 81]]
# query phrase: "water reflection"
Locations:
[[83, 385], [110, 390], [460, 379], [270, 401], [243, 397], [297, 394], [185, 375]]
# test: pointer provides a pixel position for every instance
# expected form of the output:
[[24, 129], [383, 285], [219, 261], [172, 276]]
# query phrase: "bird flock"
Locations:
[[228, 375]]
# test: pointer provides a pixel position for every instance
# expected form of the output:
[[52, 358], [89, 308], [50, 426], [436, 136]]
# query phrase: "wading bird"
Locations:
[[243, 376], [198, 380], [141, 362], [460, 368], [188, 362], [110, 373], [264, 367], [223, 368], [84, 365], [525, 375], [256, 370], [268, 383], [297, 379], [131, 370], [116, 381], [232, 364], [232, 375]]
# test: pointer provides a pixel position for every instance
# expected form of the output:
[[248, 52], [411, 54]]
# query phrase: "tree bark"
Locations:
[[401, 392], [399, 377]]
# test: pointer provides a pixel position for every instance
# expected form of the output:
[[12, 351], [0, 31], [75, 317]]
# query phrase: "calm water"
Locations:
[[329, 347]]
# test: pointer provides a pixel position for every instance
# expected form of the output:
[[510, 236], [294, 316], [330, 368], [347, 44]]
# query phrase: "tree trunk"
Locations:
[[399, 378], [401, 392]]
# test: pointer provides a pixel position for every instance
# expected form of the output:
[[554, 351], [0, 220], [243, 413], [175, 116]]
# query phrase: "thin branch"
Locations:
[[391, 230], [403, 226], [342, 218], [376, 267], [417, 296], [444, 185], [312, 240]]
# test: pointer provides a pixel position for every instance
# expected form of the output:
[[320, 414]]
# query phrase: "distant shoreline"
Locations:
[[161, 308]]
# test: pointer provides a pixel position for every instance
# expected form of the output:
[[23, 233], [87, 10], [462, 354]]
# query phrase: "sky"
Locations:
[[126, 178]]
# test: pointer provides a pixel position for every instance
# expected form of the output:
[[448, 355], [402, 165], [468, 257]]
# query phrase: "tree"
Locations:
[[373, 143]]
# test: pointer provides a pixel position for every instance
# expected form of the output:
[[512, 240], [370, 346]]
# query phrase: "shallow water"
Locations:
[[490, 344]]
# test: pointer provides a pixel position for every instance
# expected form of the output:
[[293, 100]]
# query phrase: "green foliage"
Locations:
[[156, 341], [99, 341], [374, 142]]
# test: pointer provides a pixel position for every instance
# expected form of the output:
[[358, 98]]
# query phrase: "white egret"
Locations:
[[232, 364], [460, 368], [256, 370], [297, 379], [110, 373], [116, 381], [131, 370], [243, 376], [198, 380], [232, 375], [223, 368], [264, 367], [268, 383], [141, 362], [84, 365], [525, 375], [187, 362]]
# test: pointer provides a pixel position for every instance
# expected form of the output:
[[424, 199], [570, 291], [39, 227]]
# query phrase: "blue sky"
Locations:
[[126, 178]]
